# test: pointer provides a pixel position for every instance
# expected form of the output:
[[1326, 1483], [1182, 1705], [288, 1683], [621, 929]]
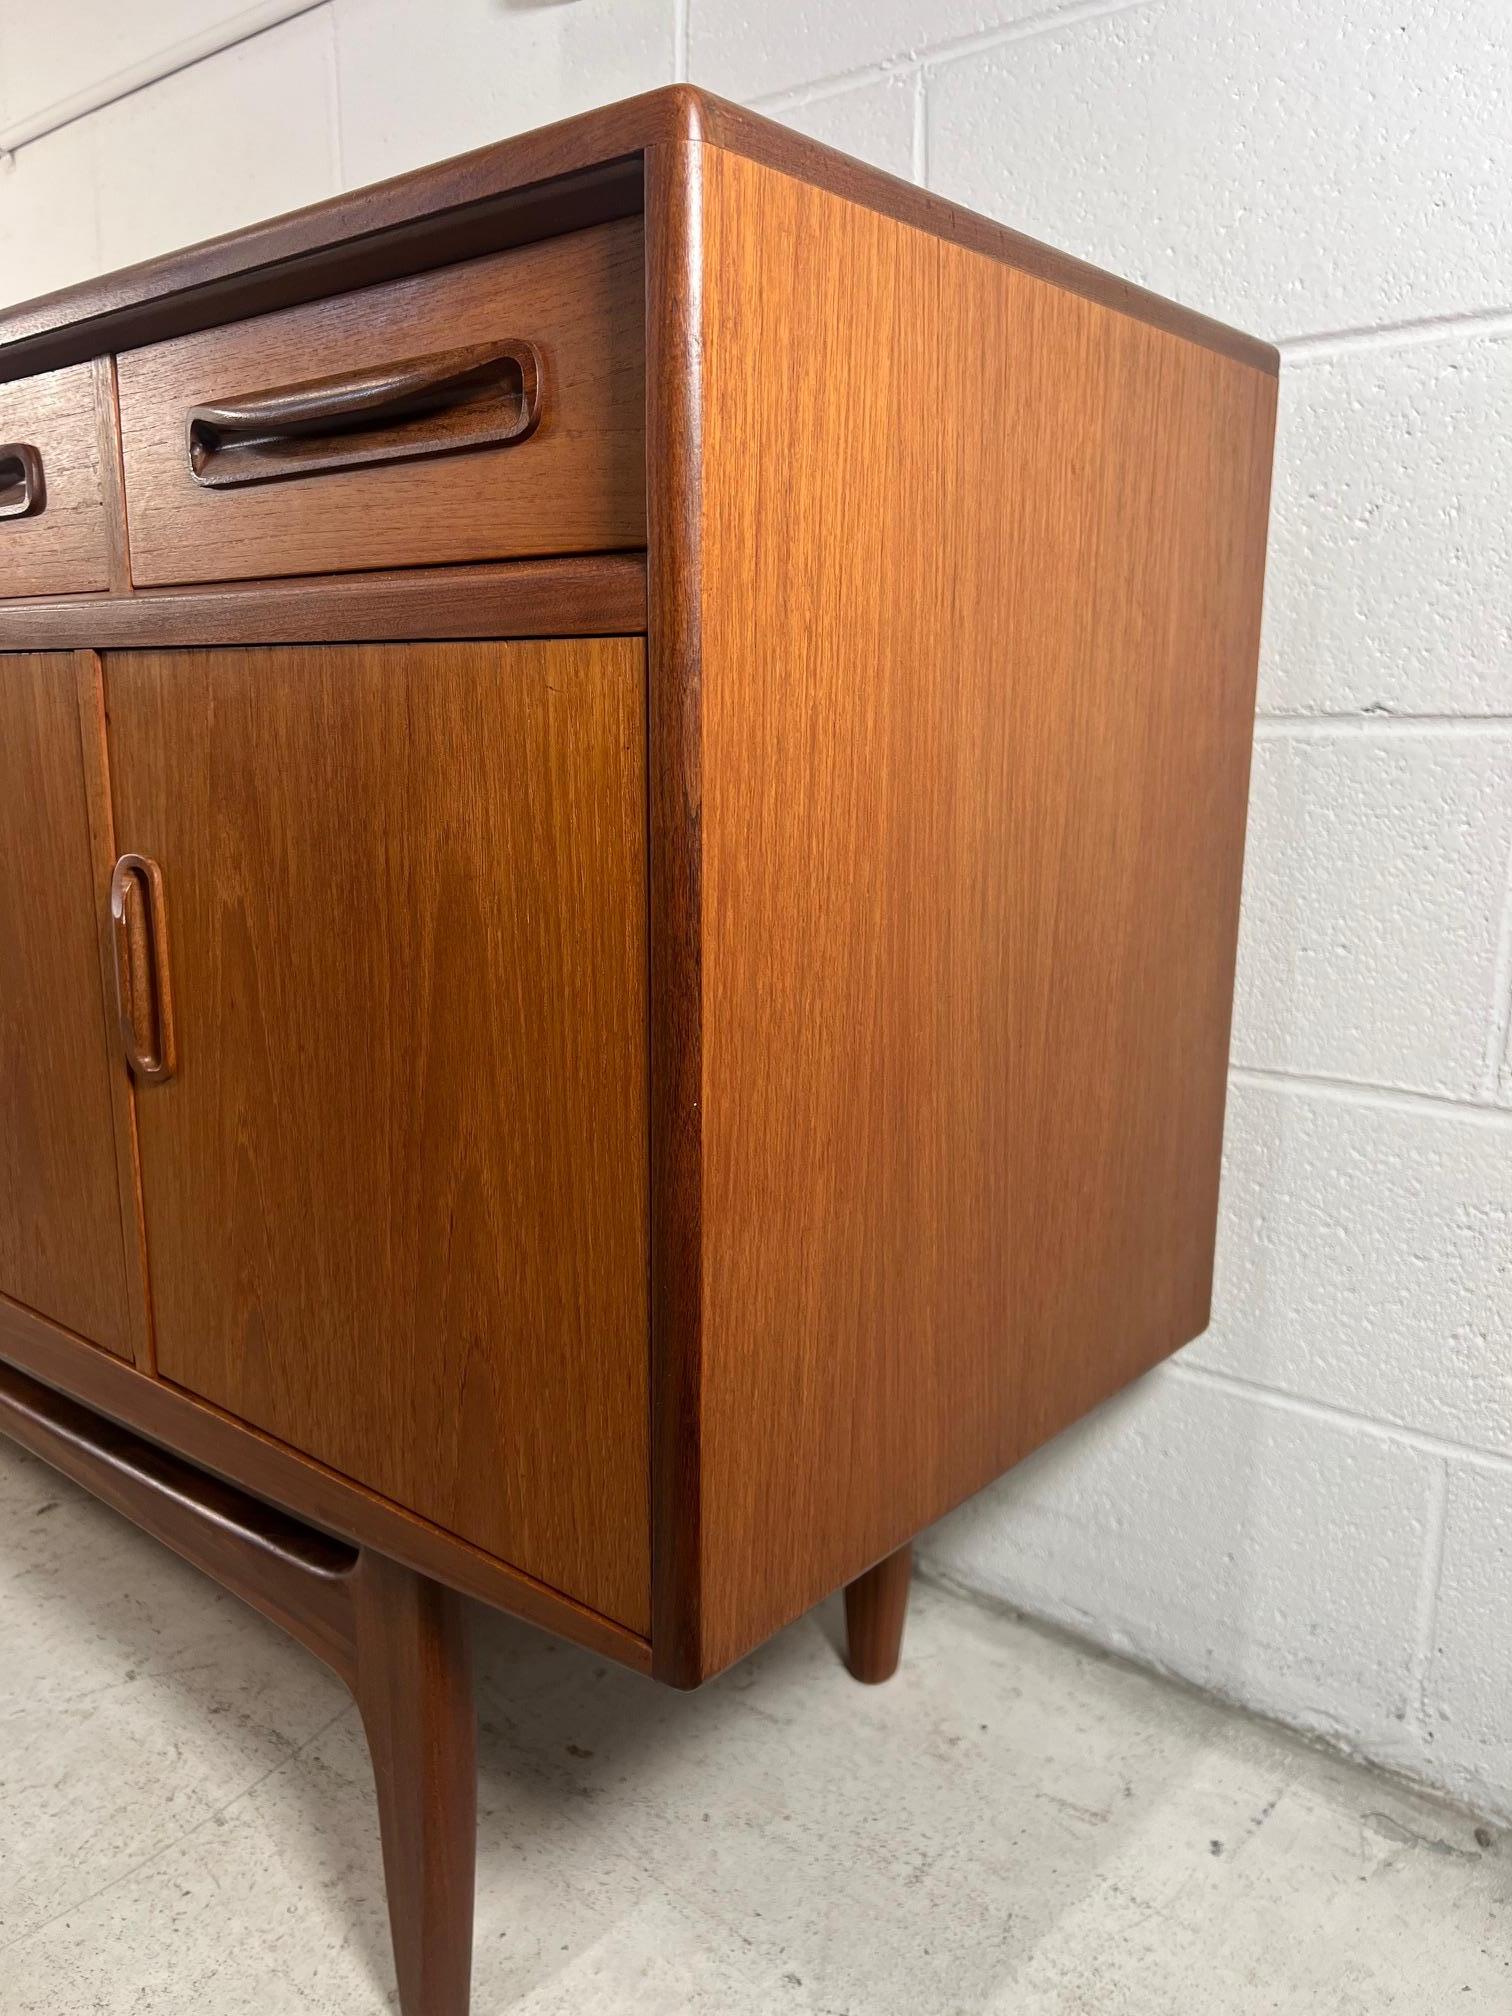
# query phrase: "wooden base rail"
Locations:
[[397, 1639]]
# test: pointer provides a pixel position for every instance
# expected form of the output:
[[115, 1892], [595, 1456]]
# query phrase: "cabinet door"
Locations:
[[62, 1251], [395, 1190]]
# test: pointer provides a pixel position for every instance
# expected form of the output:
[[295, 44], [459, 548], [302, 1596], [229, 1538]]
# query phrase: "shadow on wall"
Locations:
[[1165, 1526], [1141, 1528]]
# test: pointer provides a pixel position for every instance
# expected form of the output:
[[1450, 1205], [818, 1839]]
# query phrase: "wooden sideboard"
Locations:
[[622, 778]]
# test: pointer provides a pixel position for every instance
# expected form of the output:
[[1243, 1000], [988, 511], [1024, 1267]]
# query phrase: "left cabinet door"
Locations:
[[62, 1244]]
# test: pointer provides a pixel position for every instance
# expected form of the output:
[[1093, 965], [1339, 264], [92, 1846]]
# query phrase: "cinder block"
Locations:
[[241, 136], [750, 51], [419, 83], [875, 122], [1286, 165], [1389, 579], [1467, 1706], [49, 213], [1365, 1260], [1269, 1556], [1375, 873]]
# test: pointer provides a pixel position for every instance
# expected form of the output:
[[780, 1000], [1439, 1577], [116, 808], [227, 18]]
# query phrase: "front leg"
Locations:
[[414, 1689]]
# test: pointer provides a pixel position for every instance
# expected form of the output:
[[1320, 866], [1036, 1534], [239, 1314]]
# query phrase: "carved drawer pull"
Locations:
[[486, 396]]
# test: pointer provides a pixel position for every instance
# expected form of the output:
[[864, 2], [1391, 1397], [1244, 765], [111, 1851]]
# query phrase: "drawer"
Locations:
[[54, 534], [479, 412]]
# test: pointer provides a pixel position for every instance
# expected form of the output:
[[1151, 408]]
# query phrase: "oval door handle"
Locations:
[[21, 489], [144, 997], [485, 396]]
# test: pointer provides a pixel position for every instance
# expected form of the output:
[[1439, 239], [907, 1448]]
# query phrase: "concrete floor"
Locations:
[[1014, 1825]]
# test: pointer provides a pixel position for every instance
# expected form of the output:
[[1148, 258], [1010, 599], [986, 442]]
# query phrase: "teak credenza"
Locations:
[[622, 779]]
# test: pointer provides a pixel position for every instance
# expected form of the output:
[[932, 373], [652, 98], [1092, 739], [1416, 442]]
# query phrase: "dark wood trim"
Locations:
[[296, 1484], [398, 1640], [674, 463], [580, 171], [603, 595], [292, 259]]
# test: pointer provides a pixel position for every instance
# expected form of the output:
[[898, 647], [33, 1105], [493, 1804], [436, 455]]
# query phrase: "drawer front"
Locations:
[[54, 535], [482, 412]]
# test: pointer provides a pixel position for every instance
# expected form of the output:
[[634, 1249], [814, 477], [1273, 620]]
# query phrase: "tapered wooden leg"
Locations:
[[876, 1604], [414, 1689]]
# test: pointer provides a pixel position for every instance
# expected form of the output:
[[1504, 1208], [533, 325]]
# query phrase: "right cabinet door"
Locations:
[[395, 1189]]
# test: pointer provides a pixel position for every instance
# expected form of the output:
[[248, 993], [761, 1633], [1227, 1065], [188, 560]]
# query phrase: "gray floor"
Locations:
[[187, 1825]]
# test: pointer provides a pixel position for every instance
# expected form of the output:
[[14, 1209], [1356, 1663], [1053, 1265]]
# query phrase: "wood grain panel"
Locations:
[[577, 485], [64, 548], [979, 601], [61, 1248], [395, 1196]]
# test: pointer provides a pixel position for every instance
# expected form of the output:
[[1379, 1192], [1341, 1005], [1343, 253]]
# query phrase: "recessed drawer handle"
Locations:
[[485, 396], [144, 997], [21, 491]]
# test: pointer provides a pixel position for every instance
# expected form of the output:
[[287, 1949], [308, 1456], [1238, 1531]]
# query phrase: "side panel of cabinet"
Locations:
[[396, 1191], [978, 625], [61, 1247]]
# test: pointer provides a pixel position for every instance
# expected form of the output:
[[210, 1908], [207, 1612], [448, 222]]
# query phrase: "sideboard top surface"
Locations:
[[583, 170]]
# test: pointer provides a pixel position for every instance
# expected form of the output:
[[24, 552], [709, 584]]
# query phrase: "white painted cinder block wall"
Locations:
[[1311, 1510]]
